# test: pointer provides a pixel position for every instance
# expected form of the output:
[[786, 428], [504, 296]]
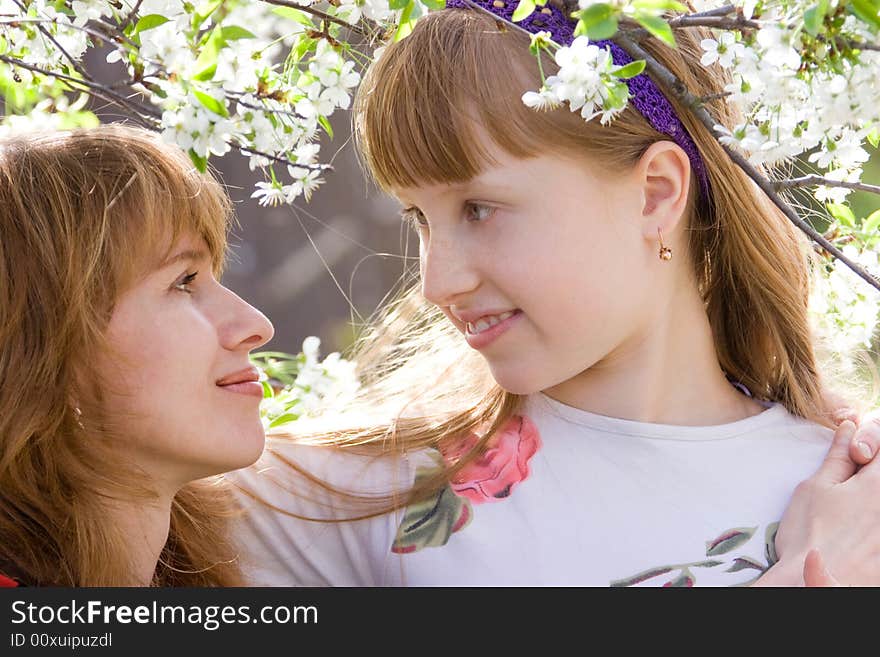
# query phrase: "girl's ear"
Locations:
[[663, 173]]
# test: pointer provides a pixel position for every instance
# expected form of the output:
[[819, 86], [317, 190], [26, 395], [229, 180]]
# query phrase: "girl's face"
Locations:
[[543, 264], [183, 375]]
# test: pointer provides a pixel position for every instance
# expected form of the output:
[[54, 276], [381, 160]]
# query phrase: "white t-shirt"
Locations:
[[565, 497]]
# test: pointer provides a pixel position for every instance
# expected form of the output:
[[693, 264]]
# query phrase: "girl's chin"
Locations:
[[516, 385]]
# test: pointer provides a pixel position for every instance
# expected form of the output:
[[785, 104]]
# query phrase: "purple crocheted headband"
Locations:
[[644, 94]]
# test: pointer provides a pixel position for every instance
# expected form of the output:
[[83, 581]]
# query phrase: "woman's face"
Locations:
[[545, 265], [182, 373]]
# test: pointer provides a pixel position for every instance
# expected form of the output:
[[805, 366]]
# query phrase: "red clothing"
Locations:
[[6, 582]]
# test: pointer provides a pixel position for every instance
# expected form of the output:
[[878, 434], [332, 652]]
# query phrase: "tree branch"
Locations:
[[677, 89], [280, 160], [320, 14], [99, 90], [128, 19], [808, 181], [45, 33]]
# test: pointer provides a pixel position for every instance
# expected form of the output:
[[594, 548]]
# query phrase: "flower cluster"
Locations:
[[844, 311], [800, 95], [588, 80], [216, 76], [301, 385]]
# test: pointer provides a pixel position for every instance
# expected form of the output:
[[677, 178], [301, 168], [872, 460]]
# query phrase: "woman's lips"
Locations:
[[486, 336], [253, 388]]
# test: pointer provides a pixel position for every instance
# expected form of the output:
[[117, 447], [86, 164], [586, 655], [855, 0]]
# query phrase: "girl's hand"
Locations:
[[815, 572], [837, 511]]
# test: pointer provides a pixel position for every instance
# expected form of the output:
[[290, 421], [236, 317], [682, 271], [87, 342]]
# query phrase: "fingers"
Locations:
[[837, 466], [815, 571], [864, 444]]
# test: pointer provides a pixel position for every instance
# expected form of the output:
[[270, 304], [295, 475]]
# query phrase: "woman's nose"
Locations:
[[249, 328]]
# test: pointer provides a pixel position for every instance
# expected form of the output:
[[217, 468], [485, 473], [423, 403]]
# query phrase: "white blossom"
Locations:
[[269, 193]]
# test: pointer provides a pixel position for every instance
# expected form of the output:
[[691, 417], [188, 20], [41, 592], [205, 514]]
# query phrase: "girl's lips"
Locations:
[[485, 338], [252, 388]]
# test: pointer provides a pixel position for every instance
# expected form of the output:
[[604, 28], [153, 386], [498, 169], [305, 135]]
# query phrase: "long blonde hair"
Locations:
[[415, 117], [83, 214]]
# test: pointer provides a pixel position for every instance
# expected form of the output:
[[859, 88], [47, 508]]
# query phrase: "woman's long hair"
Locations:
[[416, 114], [84, 214]]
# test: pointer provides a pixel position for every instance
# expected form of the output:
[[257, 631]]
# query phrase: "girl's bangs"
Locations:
[[421, 106]]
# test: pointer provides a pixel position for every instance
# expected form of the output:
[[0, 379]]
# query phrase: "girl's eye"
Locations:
[[184, 283], [478, 211], [414, 218]]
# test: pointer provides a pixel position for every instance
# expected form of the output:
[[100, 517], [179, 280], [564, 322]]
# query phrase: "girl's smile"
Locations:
[[483, 331]]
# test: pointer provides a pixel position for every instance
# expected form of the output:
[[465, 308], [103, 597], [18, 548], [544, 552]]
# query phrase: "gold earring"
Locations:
[[665, 251]]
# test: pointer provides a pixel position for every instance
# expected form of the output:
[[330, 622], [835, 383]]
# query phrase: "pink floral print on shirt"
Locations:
[[489, 478], [504, 464]]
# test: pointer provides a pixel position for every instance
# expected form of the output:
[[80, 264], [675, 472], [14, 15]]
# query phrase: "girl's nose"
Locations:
[[446, 272]]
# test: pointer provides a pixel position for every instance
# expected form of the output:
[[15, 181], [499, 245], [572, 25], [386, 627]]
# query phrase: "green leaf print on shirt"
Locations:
[[431, 522], [729, 540], [725, 543]]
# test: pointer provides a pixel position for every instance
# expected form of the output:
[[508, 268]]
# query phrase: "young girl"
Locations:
[[606, 375], [124, 372]]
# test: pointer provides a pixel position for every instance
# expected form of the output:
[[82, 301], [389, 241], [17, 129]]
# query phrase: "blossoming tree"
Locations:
[[261, 79]]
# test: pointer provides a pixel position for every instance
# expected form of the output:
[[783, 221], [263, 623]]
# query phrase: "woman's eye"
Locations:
[[478, 211], [184, 283], [414, 218]]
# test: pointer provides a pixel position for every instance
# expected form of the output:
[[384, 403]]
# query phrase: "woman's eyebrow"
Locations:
[[191, 255]]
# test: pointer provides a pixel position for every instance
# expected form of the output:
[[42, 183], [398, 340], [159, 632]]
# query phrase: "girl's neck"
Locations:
[[144, 525], [665, 373]]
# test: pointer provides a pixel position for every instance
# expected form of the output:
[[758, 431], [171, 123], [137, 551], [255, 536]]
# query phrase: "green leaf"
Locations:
[[770, 543], [283, 419], [729, 540], [234, 32], [304, 46], [603, 30], [297, 15], [643, 576], [201, 163], [630, 70], [71, 120], [842, 213], [431, 522], [4, 45], [815, 16], [206, 64], [405, 28], [669, 5], [874, 137], [324, 122], [150, 21], [741, 563], [658, 27], [211, 103], [871, 222], [595, 14], [436, 5], [523, 10], [867, 11], [399, 4], [202, 13], [684, 579]]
